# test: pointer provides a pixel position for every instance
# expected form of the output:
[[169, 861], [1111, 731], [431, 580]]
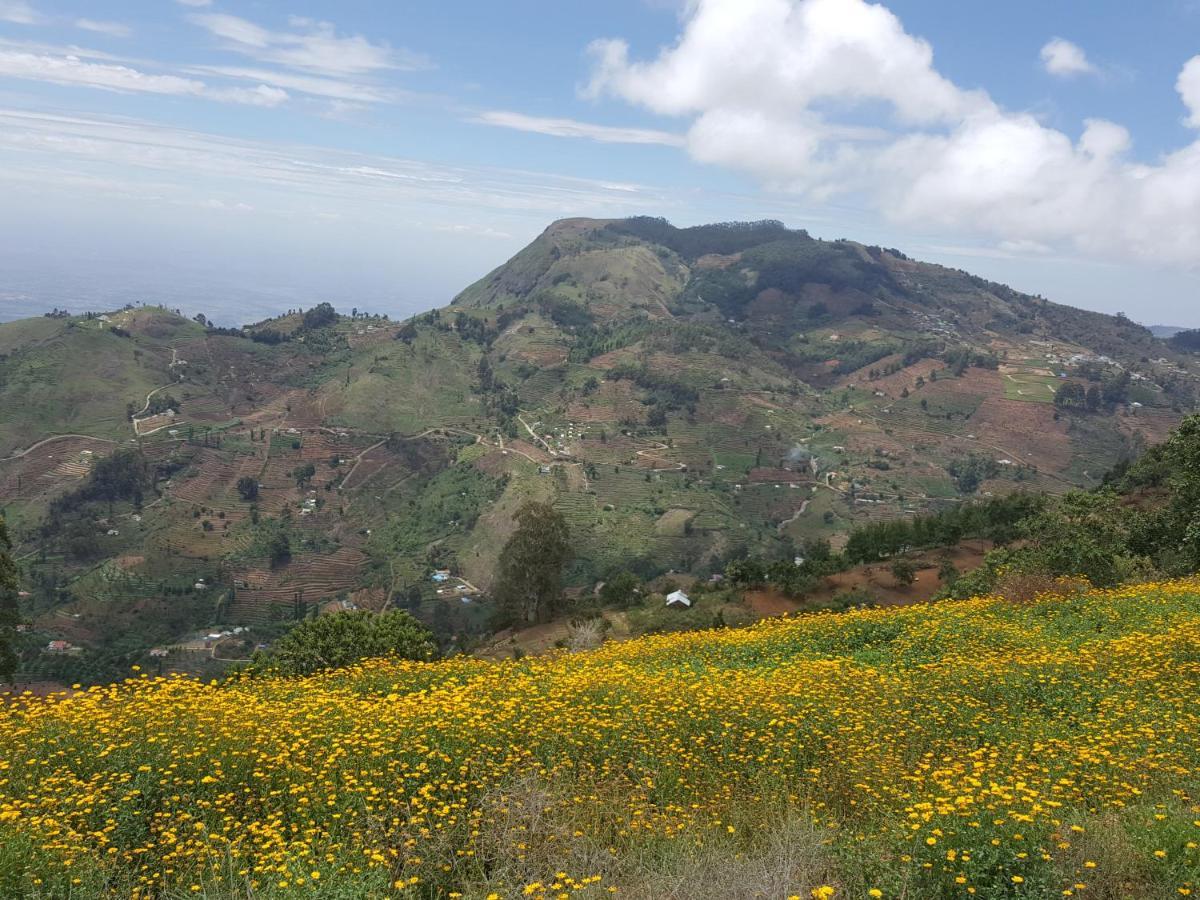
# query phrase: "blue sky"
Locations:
[[240, 158]]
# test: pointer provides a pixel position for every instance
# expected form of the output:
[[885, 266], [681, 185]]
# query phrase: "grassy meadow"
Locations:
[[981, 748]]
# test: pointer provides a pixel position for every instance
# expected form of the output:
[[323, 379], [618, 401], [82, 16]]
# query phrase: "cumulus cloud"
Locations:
[[1189, 89], [310, 46], [73, 71], [779, 88], [605, 134], [1061, 57]]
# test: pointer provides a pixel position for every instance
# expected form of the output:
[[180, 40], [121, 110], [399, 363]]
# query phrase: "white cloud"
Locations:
[[1061, 57], [263, 95], [1188, 86], [331, 88], [112, 29], [310, 47], [49, 150], [605, 134], [19, 12], [73, 71], [779, 88]]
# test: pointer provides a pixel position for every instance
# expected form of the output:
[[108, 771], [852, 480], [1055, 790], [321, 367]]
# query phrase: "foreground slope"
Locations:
[[984, 748]]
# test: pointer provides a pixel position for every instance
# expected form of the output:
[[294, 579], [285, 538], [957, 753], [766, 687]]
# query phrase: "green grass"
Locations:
[[1030, 388], [77, 379]]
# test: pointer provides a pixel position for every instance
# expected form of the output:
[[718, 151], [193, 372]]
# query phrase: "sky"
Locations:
[[244, 157]]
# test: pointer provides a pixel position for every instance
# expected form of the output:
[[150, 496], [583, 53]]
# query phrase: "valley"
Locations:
[[682, 397]]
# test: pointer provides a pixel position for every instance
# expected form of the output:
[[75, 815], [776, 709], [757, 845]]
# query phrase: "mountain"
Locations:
[[1165, 331], [681, 396]]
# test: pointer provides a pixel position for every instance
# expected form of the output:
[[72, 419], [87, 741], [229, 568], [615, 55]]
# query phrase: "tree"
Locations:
[[1084, 534], [304, 474], [1070, 394], [621, 591], [279, 549], [247, 488], [343, 638], [9, 614], [904, 572], [529, 582]]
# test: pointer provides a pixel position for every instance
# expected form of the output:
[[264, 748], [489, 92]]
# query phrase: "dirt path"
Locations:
[[658, 448], [57, 437], [358, 460], [536, 438], [801, 511]]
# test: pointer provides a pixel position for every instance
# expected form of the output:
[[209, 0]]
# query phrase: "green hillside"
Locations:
[[682, 397]]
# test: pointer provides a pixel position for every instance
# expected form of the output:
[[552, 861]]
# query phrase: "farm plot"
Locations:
[[51, 467], [262, 594], [1029, 387]]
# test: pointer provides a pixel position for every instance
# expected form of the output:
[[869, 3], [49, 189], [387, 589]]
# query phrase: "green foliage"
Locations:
[[9, 615], [1082, 534], [122, 476], [1170, 532], [319, 316], [621, 591], [247, 488], [721, 238], [529, 583], [1187, 340], [971, 471], [998, 519], [160, 403], [904, 572], [791, 264], [342, 639], [663, 390], [304, 474], [563, 312]]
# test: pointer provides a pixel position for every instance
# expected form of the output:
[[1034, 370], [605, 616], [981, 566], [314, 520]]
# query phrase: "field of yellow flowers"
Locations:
[[980, 748]]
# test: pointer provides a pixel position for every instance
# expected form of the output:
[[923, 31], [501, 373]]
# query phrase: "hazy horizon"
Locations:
[[240, 159]]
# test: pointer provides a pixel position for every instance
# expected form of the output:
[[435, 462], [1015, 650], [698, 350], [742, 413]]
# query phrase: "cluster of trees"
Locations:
[[662, 390], [785, 575], [123, 476], [1112, 391], [970, 471], [1187, 340], [160, 403], [721, 238], [997, 519], [1001, 520], [563, 312], [319, 316]]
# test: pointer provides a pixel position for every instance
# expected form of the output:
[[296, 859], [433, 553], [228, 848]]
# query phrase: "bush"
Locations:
[[343, 638]]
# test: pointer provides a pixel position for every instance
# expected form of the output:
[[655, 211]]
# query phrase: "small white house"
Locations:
[[679, 599]]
